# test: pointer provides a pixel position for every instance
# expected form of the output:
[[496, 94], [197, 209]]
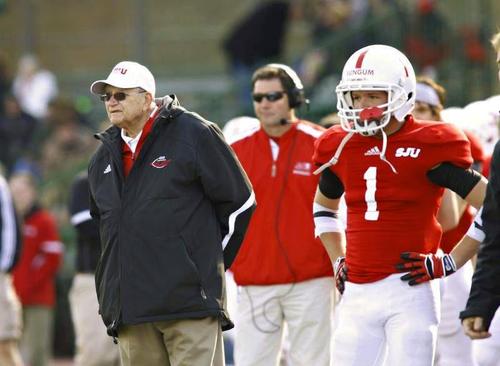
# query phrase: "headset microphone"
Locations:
[[283, 122]]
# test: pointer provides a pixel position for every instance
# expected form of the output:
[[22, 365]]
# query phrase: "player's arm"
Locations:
[[469, 245], [422, 267], [448, 214], [425, 267], [328, 226], [467, 183]]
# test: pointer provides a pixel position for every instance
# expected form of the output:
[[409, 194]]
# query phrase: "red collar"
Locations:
[[128, 158]]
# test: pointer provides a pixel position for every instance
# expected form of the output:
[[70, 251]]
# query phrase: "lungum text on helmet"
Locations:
[[360, 72]]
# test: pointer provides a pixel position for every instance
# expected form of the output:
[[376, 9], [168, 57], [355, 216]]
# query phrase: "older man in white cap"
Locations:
[[173, 205]]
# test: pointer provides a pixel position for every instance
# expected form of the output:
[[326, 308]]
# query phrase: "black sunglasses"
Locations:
[[272, 97], [119, 96]]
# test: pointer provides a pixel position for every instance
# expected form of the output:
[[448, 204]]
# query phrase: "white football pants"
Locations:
[[454, 348], [386, 322]]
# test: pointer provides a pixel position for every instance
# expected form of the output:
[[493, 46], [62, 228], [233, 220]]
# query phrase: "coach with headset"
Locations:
[[283, 271]]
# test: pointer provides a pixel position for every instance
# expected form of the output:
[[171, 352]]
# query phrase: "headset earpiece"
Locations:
[[296, 96]]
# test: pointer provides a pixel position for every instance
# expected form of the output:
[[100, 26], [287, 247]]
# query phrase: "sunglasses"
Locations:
[[272, 97], [119, 96]]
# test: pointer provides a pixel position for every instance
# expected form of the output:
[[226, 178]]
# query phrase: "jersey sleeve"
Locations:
[[449, 144], [326, 145], [476, 147]]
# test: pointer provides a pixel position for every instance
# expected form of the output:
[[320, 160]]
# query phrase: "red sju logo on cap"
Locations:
[[160, 162], [121, 70]]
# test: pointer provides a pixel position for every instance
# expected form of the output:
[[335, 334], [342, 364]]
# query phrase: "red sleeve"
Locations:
[[449, 144], [476, 147], [326, 145]]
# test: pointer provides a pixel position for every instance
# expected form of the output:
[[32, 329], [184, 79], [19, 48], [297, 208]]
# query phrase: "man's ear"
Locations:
[[148, 100]]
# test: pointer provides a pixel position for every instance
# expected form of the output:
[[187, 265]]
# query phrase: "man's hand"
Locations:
[[425, 267], [474, 328], [340, 272]]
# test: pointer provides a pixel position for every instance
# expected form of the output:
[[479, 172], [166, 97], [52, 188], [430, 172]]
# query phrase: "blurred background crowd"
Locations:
[[205, 52]]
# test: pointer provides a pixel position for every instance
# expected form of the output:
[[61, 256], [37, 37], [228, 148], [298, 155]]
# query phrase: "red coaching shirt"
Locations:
[[279, 245], [389, 213]]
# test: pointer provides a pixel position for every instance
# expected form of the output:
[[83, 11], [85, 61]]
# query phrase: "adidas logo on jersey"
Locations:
[[373, 151]]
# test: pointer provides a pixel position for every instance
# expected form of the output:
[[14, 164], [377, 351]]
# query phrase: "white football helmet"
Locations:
[[376, 67], [483, 121], [454, 115], [479, 118]]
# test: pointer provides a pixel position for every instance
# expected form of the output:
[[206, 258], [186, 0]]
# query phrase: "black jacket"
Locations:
[[484, 297], [87, 228], [164, 227]]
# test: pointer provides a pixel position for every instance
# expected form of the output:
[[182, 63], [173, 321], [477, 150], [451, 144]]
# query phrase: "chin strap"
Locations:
[[335, 157]]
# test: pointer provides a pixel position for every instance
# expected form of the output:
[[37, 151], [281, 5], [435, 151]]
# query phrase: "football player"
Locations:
[[393, 170]]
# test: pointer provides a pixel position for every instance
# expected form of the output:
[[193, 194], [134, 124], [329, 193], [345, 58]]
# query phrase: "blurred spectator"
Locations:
[[5, 80], [428, 37], [68, 139], [326, 18], [34, 87], [93, 345], [16, 132], [329, 15], [65, 151], [34, 276], [474, 44], [256, 39], [10, 309]]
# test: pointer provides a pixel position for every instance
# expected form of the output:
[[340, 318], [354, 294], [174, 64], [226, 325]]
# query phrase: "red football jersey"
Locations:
[[389, 213]]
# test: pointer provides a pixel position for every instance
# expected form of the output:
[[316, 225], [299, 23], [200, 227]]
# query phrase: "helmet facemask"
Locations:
[[367, 121]]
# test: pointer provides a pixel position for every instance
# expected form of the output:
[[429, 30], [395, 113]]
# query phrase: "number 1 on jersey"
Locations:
[[370, 176]]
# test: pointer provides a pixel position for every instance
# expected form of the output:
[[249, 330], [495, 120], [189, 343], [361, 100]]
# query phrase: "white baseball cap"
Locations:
[[127, 74]]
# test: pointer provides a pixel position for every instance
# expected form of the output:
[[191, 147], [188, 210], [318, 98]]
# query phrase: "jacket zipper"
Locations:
[[274, 153], [116, 157]]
